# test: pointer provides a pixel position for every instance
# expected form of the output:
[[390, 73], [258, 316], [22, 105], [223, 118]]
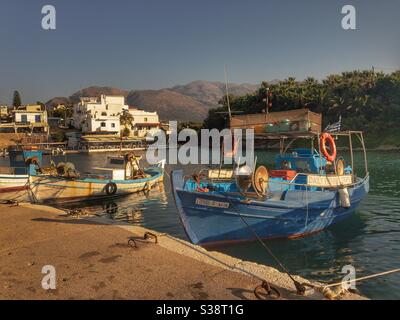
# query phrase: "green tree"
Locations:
[[126, 119], [366, 100], [125, 132], [16, 99]]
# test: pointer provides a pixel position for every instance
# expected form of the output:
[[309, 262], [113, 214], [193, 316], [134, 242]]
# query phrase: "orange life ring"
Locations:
[[327, 138]]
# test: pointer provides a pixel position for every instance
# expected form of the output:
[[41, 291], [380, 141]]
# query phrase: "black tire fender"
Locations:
[[110, 188]]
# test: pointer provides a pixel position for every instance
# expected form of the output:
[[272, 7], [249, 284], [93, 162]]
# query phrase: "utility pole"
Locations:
[[266, 100]]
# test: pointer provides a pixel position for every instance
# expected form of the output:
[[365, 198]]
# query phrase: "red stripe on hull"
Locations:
[[223, 243], [13, 189]]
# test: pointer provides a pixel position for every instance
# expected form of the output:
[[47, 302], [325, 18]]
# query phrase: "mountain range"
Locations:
[[189, 102]]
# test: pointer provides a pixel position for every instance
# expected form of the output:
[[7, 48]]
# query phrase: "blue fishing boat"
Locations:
[[307, 191], [14, 177]]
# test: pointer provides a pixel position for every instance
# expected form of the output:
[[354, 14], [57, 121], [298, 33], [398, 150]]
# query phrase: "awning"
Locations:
[[147, 124]]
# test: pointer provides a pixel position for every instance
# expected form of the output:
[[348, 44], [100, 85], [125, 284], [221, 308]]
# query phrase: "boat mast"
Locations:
[[227, 95]]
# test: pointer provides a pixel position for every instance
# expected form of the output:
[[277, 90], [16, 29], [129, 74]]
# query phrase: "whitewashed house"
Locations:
[[99, 114], [144, 123], [3, 111], [31, 116]]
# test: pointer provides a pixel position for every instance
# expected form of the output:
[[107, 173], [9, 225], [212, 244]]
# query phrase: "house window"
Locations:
[[103, 124], [24, 118], [38, 118], [104, 113], [145, 119], [112, 125]]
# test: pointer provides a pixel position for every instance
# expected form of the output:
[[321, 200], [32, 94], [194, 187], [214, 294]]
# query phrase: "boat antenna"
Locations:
[[227, 94]]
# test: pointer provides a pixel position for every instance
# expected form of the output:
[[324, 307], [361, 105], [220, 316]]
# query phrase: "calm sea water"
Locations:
[[369, 240]]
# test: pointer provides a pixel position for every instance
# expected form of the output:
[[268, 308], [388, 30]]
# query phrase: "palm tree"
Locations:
[[126, 119]]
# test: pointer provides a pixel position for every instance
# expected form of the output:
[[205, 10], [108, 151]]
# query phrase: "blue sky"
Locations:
[[152, 44]]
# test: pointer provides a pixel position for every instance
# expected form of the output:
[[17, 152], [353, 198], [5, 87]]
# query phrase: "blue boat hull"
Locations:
[[218, 218]]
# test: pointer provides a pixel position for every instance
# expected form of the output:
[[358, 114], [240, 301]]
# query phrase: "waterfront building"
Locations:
[[30, 118], [143, 123], [99, 114], [3, 112]]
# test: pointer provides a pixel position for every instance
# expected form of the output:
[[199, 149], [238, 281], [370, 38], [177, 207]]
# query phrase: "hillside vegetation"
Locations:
[[366, 100]]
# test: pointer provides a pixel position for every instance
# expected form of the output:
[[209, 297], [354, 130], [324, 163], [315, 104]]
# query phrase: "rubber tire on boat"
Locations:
[[110, 188]]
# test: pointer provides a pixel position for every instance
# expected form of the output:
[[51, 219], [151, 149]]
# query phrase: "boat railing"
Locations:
[[356, 181]]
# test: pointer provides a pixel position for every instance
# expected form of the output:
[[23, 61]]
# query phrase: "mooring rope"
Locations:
[[300, 288], [371, 276]]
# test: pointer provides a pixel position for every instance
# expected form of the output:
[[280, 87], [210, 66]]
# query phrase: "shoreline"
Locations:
[[74, 245]]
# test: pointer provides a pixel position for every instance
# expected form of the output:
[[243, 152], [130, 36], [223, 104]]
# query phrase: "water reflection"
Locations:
[[369, 240]]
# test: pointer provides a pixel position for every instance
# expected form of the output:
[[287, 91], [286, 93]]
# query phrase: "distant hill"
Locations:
[[97, 91], [58, 100], [170, 105], [210, 93], [189, 102]]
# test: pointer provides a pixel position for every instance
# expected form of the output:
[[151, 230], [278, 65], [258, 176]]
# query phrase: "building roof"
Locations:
[[107, 138], [147, 124]]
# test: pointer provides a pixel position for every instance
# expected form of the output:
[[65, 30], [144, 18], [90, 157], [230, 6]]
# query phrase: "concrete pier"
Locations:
[[93, 260]]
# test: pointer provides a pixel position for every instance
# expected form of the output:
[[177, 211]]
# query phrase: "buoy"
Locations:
[[344, 198], [327, 139]]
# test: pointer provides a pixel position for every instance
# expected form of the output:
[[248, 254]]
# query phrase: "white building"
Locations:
[[143, 122], [3, 111], [32, 116], [101, 114]]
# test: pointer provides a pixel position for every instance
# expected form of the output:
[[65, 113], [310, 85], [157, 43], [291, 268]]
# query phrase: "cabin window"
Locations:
[[303, 166], [18, 158], [103, 124]]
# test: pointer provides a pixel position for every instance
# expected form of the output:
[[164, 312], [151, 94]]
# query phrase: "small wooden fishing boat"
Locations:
[[15, 177], [121, 176], [307, 191]]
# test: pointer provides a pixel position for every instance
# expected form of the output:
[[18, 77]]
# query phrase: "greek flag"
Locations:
[[334, 127]]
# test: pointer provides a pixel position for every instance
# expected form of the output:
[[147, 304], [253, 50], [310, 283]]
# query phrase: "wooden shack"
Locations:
[[296, 121]]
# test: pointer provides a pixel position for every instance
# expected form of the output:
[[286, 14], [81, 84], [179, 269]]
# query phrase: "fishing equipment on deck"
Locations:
[[196, 179], [243, 177], [340, 166], [325, 139], [260, 181]]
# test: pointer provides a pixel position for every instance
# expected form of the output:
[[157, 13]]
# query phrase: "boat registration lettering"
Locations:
[[212, 203]]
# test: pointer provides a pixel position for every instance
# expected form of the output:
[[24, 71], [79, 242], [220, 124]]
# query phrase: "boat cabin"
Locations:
[[21, 159], [120, 167]]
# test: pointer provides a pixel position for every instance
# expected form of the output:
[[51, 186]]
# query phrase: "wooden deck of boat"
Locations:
[[94, 261]]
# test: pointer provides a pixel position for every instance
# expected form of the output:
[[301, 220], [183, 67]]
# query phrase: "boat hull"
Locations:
[[49, 189], [13, 182], [215, 219]]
